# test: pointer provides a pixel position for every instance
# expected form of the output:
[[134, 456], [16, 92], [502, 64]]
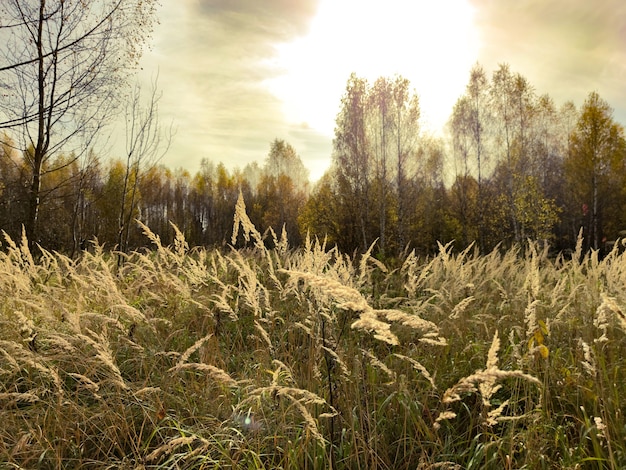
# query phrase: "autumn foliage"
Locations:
[[511, 166]]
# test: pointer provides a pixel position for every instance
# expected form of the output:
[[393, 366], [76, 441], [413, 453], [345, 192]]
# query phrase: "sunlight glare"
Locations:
[[433, 44]]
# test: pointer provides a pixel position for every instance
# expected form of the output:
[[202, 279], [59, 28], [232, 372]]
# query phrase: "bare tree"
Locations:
[[406, 114], [469, 127], [512, 98], [146, 143], [352, 160], [376, 158], [63, 67], [380, 101]]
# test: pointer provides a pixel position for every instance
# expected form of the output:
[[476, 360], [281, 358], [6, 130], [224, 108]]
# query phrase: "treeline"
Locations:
[[510, 166], [95, 199]]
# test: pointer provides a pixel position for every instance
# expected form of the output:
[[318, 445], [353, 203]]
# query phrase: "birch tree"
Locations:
[[146, 143], [470, 128], [63, 66], [352, 160]]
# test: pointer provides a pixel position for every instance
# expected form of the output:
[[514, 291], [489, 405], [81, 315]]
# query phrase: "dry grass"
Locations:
[[257, 358]]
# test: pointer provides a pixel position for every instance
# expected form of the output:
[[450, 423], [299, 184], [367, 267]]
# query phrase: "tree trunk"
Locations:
[[40, 149], [594, 215], [33, 206]]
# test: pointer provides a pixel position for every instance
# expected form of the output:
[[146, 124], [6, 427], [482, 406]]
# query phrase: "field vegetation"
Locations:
[[257, 357]]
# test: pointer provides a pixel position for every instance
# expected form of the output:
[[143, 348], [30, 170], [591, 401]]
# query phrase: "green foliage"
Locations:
[[537, 214]]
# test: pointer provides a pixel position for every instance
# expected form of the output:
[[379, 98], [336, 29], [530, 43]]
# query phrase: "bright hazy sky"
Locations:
[[235, 74]]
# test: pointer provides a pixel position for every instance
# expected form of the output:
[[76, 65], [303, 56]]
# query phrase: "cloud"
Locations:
[[278, 20], [218, 59], [567, 48], [213, 58]]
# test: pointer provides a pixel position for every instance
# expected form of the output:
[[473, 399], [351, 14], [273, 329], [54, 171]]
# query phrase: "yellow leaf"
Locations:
[[543, 351]]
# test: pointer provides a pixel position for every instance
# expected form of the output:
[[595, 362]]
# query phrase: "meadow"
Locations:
[[262, 358]]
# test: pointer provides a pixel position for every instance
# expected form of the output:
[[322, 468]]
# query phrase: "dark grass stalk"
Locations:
[[330, 366]]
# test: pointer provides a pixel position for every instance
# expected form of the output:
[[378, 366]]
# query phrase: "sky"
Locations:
[[237, 74]]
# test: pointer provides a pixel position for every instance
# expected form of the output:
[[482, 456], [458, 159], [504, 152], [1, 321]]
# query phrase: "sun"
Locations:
[[432, 43]]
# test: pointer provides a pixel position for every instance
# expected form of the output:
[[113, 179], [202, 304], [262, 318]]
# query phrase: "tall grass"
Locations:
[[258, 358]]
